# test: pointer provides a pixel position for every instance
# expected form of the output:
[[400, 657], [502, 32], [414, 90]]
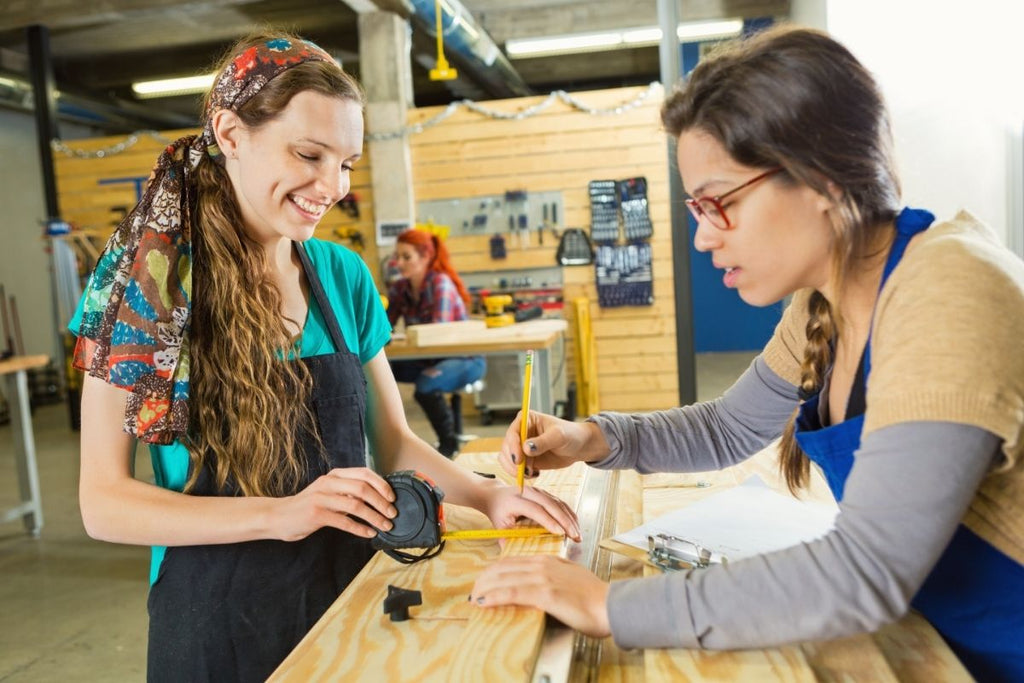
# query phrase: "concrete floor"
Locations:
[[74, 609]]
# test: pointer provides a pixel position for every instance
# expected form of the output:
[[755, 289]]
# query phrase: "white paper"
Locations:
[[749, 519]]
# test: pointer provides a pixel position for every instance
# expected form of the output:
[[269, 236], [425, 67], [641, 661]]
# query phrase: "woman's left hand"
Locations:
[[563, 589], [505, 506]]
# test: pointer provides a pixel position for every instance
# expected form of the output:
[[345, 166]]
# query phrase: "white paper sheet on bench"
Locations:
[[749, 519]]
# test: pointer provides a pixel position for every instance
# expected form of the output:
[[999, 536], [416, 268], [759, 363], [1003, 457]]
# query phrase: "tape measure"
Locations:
[[420, 521], [514, 532]]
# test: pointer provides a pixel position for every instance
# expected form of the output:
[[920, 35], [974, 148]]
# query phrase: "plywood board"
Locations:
[[447, 638]]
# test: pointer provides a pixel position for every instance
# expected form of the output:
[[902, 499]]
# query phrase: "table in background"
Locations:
[[15, 373], [473, 338]]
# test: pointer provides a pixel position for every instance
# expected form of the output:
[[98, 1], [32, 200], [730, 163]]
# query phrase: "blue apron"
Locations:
[[973, 595]]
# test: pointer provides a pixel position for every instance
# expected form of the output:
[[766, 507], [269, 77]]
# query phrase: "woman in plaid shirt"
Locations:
[[430, 291]]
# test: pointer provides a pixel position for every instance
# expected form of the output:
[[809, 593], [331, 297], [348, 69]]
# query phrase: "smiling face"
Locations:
[[288, 172], [781, 233]]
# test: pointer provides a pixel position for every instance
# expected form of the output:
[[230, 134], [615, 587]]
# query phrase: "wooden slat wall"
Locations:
[[562, 149], [469, 155], [88, 205]]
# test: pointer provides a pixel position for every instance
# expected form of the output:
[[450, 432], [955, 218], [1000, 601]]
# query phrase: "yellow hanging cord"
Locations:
[[443, 72]]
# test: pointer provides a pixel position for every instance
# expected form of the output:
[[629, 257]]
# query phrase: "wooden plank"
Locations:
[[475, 332], [446, 638], [573, 140], [624, 666], [642, 350], [918, 654], [525, 166], [855, 659], [646, 326], [20, 363], [627, 365], [626, 402], [661, 380], [355, 641], [777, 664], [558, 117], [552, 181]]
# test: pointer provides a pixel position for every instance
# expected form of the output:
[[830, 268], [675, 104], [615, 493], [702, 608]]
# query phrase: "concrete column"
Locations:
[[386, 74]]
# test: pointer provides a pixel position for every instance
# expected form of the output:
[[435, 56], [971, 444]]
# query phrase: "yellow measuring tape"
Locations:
[[515, 532]]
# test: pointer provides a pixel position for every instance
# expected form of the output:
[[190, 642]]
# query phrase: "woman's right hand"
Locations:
[[551, 443], [336, 500]]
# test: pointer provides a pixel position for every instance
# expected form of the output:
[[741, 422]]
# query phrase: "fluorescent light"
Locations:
[[709, 29], [553, 45], [633, 37], [642, 36], [167, 87]]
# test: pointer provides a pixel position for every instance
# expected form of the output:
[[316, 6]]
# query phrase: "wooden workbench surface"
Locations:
[[908, 650], [448, 639], [16, 363]]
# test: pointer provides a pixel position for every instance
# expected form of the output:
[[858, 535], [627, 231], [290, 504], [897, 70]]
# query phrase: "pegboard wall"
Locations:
[[516, 212]]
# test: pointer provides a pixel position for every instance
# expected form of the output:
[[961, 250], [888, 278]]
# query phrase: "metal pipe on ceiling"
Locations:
[[470, 47]]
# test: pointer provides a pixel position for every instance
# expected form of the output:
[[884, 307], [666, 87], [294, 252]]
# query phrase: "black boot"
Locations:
[[441, 419]]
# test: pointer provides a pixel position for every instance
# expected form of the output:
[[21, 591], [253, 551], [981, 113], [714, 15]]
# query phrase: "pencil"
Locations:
[[525, 422]]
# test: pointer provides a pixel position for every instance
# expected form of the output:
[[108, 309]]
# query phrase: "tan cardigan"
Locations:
[[947, 345]]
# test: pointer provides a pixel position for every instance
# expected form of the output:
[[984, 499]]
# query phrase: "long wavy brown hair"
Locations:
[[246, 405], [797, 99]]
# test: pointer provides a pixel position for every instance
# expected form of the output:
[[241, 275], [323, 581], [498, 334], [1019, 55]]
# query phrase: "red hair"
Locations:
[[432, 248]]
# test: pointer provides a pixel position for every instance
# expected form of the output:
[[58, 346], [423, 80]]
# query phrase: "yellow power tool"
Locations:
[[496, 306]]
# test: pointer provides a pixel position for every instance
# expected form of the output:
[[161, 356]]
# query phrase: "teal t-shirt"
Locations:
[[364, 324]]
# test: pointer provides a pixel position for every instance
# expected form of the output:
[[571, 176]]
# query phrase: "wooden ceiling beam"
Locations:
[[15, 14]]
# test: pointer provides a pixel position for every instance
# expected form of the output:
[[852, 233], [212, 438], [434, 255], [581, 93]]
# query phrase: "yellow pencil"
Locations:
[[525, 423], [515, 532]]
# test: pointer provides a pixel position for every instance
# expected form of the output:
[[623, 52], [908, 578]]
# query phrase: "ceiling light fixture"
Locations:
[[168, 87], [614, 40]]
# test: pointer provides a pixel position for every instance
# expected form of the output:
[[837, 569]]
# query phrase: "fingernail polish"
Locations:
[[469, 598], [480, 600], [531, 445]]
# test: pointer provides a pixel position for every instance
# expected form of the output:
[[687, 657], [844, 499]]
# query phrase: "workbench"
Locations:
[[15, 373], [473, 338], [449, 639]]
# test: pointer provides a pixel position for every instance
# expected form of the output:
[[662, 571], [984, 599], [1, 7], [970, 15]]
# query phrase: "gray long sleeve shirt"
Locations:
[[902, 503]]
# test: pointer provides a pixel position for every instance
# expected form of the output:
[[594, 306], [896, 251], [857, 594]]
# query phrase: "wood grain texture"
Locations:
[[908, 650], [447, 638], [19, 363]]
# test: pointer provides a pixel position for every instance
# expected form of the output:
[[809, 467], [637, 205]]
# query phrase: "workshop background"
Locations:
[[548, 174]]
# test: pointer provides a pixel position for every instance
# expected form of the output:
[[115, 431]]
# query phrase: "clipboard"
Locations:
[[743, 521], [667, 553]]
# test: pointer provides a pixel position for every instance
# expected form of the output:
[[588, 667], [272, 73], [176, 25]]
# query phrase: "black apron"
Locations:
[[233, 612]]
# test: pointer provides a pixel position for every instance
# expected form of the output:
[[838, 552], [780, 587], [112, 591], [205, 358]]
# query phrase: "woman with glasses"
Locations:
[[894, 370]]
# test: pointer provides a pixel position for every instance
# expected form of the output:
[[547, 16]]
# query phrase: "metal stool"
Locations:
[[456, 404]]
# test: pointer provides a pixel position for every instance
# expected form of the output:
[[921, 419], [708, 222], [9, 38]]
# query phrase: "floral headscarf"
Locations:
[[138, 302]]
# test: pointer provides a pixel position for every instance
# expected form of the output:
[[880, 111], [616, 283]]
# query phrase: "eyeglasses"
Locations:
[[711, 207]]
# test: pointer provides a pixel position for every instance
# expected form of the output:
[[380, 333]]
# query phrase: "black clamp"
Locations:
[[399, 600]]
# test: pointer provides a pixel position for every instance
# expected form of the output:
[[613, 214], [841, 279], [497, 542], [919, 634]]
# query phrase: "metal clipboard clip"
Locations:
[[670, 553]]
